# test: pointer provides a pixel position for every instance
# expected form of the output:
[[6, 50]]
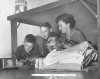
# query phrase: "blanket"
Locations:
[[70, 55], [82, 54]]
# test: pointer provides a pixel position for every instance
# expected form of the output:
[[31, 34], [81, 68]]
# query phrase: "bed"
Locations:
[[76, 58]]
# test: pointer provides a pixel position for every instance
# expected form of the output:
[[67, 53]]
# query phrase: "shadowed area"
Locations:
[[27, 74]]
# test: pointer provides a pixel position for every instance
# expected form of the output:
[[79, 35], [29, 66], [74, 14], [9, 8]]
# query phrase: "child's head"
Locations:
[[55, 42], [29, 42], [52, 40], [45, 30]]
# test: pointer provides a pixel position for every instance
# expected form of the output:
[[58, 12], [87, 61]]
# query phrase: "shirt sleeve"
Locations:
[[42, 49], [39, 44], [18, 53], [78, 36], [38, 51]]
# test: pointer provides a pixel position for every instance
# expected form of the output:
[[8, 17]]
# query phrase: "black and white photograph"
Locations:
[[50, 39]]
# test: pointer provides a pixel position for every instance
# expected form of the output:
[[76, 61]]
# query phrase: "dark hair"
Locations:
[[30, 38], [53, 34], [47, 25], [67, 18]]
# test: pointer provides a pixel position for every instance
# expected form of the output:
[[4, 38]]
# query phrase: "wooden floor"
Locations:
[[26, 74]]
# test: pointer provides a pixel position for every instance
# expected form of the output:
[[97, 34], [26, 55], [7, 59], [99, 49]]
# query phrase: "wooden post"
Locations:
[[13, 39], [98, 23]]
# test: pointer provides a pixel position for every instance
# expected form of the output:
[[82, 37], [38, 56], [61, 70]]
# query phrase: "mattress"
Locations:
[[57, 66], [62, 67]]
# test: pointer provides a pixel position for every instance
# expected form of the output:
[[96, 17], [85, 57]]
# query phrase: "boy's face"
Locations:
[[51, 42], [45, 32], [28, 46], [63, 27]]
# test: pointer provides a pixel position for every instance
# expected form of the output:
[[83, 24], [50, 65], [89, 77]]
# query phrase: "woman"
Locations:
[[66, 26]]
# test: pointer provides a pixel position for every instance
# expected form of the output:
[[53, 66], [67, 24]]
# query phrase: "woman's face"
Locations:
[[63, 27]]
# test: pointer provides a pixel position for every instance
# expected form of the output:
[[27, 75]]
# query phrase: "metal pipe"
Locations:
[[86, 5]]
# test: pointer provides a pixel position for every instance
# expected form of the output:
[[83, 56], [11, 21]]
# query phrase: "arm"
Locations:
[[81, 35], [17, 54]]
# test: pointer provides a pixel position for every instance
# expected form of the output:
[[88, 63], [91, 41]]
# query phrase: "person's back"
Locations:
[[78, 36]]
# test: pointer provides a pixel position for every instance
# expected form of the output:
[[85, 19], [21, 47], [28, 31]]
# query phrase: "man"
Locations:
[[42, 40], [26, 53]]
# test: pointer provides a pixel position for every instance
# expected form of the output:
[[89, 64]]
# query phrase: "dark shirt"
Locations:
[[21, 54], [42, 43], [76, 37]]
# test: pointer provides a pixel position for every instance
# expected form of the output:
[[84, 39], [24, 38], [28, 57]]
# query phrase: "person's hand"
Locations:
[[66, 46], [19, 63]]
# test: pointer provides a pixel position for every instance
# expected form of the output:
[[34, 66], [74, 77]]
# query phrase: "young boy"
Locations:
[[41, 40], [55, 42], [26, 53]]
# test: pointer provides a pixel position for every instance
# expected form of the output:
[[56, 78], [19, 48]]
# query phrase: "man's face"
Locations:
[[28, 46], [63, 27], [44, 32]]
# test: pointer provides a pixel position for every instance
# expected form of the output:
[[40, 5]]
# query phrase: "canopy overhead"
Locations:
[[27, 16], [39, 15], [85, 20]]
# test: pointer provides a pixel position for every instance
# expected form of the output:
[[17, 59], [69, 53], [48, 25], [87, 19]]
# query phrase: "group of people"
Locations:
[[39, 46]]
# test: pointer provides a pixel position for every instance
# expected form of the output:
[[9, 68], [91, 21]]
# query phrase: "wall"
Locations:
[[25, 29], [5, 34]]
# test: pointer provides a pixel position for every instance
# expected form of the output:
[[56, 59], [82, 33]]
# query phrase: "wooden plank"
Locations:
[[43, 8], [32, 11], [89, 8]]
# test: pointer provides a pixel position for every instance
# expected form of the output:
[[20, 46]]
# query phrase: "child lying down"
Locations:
[[73, 54]]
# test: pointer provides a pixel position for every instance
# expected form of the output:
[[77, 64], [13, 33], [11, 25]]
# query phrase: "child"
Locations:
[[26, 53], [55, 42]]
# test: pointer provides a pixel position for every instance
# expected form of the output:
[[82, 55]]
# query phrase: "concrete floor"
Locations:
[[27, 74]]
